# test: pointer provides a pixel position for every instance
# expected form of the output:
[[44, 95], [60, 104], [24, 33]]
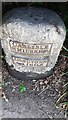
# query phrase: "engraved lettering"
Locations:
[[25, 62], [31, 51], [24, 48]]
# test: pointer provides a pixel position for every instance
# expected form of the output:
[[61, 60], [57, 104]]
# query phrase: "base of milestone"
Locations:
[[28, 75]]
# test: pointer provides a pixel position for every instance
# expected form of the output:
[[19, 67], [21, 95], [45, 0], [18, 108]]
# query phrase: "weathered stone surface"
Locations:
[[32, 40]]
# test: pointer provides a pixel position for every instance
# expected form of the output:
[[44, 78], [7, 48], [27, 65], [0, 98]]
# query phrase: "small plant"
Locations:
[[22, 88]]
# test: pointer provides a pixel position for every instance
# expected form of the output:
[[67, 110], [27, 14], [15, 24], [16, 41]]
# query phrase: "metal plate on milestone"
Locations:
[[34, 54]]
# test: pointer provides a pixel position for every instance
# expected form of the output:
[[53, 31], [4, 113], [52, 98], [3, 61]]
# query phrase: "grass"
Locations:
[[64, 94]]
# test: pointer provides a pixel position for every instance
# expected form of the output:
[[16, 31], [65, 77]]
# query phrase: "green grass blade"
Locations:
[[65, 48], [65, 84], [65, 56], [63, 74], [61, 97]]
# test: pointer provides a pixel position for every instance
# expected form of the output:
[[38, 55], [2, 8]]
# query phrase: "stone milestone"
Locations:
[[32, 39]]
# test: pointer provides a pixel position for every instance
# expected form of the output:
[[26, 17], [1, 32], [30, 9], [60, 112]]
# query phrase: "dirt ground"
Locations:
[[42, 103]]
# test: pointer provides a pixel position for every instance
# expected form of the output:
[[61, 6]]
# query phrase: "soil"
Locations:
[[55, 81]]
